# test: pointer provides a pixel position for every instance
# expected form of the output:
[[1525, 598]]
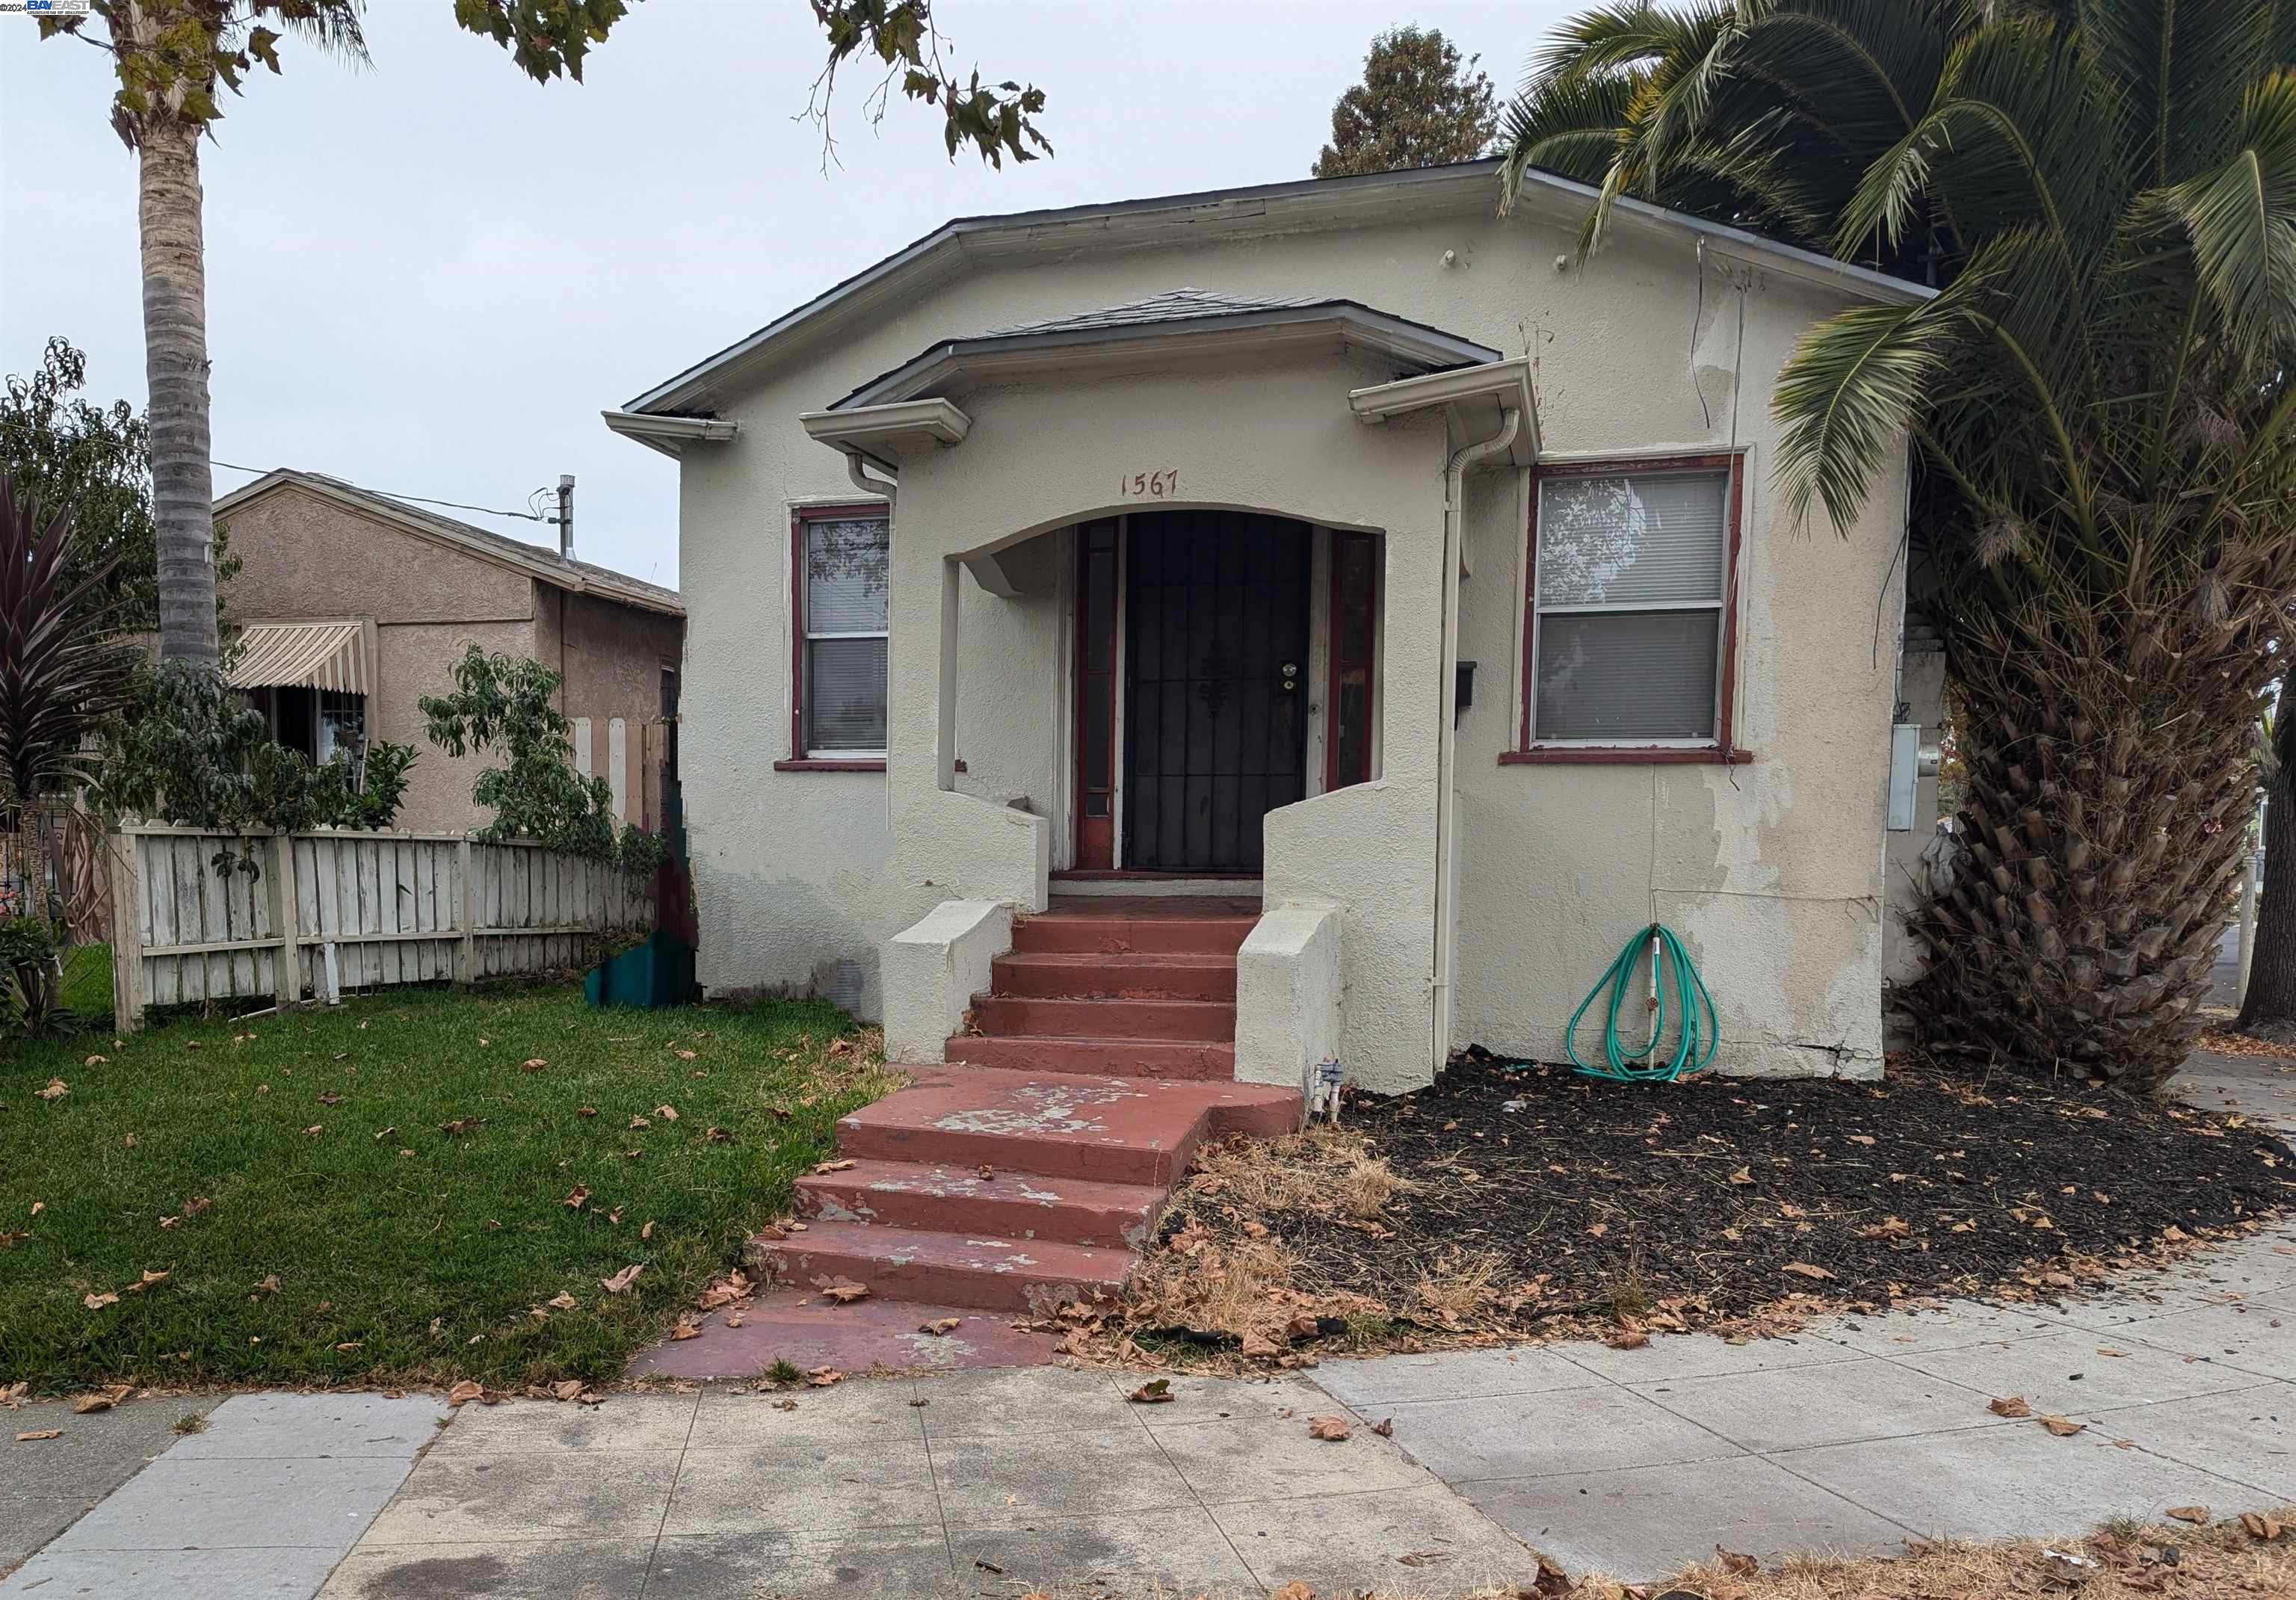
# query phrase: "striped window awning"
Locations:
[[318, 655]]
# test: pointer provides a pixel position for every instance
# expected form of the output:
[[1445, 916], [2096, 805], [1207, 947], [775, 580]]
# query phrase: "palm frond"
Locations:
[[2179, 68], [2240, 219], [1845, 397], [1572, 128], [2020, 127], [332, 25], [1612, 38], [1865, 69]]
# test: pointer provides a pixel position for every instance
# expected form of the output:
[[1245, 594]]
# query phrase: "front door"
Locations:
[[1215, 685]]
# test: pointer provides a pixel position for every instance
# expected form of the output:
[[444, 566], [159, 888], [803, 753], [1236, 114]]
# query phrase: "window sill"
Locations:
[[1621, 755], [824, 764]]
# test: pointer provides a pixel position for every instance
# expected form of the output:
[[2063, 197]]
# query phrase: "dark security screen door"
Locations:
[[1215, 685]]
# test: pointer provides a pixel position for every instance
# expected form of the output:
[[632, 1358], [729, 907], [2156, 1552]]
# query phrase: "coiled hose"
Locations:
[[1697, 1034]]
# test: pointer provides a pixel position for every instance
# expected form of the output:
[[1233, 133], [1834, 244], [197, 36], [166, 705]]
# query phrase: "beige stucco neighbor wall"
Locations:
[[418, 658], [1772, 870], [306, 557]]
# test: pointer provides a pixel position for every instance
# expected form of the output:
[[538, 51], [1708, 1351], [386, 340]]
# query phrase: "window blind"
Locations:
[[1627, 675], [845, 581], [845, 578], [1632, 579], [845, 694], [1632, 541]]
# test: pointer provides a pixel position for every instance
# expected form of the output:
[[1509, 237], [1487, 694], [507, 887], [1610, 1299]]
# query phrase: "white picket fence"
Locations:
[[370, 910]]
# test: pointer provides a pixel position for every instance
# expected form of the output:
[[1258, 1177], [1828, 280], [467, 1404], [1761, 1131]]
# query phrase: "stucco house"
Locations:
[[354, 605], [1217, 634]]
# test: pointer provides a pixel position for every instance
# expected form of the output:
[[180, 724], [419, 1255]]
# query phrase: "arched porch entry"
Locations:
[[1217, 680]]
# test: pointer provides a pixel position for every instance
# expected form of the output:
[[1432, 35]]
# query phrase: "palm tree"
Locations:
[[2100, 402], [171, 57]]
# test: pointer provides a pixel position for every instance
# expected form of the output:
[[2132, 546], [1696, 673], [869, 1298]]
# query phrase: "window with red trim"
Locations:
[[839, 557], [1631, 610]]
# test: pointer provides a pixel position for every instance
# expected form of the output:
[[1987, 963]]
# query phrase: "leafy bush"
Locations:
[[187, 751], [31, 997], [502, 702]]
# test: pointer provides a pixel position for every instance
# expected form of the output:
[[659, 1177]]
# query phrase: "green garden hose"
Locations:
[[1697, 1036]]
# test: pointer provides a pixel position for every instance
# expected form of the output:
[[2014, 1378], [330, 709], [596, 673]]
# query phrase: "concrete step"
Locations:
[[1202, 1021], [1170, 1059], [1107, 1130], [1066, 974], [1006, 1205], [1074, 931], [944, 1268]]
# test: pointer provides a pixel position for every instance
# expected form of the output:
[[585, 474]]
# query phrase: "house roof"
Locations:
[[1368, 199], [1180, 317], [534, 560], [1174, 305]]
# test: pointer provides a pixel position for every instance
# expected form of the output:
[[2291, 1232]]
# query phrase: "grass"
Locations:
[[87, 983], [356, 1240]]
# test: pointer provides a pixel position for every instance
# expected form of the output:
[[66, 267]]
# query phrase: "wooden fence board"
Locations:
[[393, 907]]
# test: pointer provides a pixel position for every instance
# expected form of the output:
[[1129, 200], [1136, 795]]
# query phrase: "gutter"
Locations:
[[1468, 396], [1464, 461], [670, 434]]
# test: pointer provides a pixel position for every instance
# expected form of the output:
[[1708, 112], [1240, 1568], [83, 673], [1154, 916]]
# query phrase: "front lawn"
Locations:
[[387, 1191]]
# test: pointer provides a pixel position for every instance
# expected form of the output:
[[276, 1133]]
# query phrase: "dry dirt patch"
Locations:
[[1506, 1203]]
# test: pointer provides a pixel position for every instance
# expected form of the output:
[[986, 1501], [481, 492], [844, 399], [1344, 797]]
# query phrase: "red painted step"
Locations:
[[1065, 975], [1010, 1205], [1110, 934], [1119, 1130], [1174, 1059], [949, 1269], [1207, 1021]]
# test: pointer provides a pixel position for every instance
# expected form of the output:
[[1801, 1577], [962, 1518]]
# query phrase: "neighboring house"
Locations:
[[1338, 555], [353, 605]]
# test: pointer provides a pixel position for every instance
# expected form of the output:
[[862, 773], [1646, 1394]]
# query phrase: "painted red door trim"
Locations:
[[1096, 836], [1332, 652]]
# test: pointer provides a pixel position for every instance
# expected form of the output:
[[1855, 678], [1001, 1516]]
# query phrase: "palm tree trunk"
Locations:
[[2268, 1009], [176, 369], [2102, 834]]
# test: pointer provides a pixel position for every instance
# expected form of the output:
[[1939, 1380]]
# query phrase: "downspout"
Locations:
[[1454, 479], [886, 488]]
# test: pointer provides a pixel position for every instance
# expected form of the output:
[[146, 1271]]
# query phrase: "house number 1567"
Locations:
[[1154, 486]]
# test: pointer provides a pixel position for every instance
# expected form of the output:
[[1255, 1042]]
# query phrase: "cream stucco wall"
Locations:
[[1771, 869]]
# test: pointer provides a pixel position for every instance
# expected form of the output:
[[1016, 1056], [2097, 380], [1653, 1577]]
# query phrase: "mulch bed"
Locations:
[[1743, 1203]]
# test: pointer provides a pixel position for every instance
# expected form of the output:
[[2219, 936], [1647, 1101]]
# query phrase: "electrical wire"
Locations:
[[528, 516], [488, 510]]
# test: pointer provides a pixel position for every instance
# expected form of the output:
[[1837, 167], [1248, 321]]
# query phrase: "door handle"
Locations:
[[1290, 676]]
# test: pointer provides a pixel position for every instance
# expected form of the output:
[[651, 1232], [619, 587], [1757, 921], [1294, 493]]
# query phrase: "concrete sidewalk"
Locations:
[[989, 1484], [263, 1501]]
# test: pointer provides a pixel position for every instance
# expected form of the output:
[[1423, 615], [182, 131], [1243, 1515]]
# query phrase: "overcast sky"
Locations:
[[428, 276]]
